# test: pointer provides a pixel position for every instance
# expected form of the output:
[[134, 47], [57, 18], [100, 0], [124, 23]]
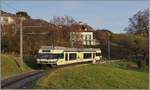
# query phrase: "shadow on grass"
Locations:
[[31, 62], [129, 65]]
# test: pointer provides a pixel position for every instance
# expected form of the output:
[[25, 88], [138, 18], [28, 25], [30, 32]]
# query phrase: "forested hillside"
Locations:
[[131, 45]]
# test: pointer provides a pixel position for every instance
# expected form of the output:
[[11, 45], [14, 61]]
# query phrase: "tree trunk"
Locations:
[[144, 60]]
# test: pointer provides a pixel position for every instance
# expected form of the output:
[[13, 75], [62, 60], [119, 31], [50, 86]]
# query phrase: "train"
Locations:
[[56, 56]]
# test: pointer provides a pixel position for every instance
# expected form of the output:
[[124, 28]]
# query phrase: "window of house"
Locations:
[[85, 37], [82, 36], [89, 37], [5, 19], [90, 43]]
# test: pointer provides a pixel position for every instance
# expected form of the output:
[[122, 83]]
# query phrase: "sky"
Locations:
[[112, 15]]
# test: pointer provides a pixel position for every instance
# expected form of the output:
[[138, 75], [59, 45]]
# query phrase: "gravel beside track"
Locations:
[[27, 80], [20, 80]]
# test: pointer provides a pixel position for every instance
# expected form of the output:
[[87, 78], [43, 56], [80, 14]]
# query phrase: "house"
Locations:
[[85, 37], [84, 34], [7, 18]]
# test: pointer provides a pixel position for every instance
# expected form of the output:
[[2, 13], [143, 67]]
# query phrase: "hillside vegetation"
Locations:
[[106, 76], [132, 44], [10, 66]]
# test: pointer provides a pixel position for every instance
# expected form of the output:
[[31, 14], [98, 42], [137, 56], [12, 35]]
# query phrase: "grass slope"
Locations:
[[94, 77], [9, 66]]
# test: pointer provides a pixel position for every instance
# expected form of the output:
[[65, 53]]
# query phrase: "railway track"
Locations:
[[25, 80], [19, 81]]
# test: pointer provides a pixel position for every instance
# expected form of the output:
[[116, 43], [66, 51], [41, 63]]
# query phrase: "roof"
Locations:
[[69, 49], [81, 28], [7, 14]]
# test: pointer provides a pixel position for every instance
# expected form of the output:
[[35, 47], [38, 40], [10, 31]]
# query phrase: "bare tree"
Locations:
[[24, 14], [139, 23], [62, 20]]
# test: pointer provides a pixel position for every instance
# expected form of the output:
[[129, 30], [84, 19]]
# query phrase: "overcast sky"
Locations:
[[112, 15]]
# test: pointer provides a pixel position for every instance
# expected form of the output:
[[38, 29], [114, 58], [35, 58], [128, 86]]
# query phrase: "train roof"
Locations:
[[69, 49]]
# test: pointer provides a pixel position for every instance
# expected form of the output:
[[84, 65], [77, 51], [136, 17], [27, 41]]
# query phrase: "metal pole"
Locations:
[[21, 43], [53, 39], [109, 49]]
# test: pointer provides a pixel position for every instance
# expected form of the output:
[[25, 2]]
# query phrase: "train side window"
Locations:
[[46, 50], [87, 55], [98, 54], [60, 56], [50, 56], [72, 56]]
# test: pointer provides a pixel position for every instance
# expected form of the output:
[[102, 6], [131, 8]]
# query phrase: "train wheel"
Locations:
[[53, 65], [44, 66]]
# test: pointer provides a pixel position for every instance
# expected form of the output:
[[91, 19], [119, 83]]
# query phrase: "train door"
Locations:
[[66, 57], [94, 55]]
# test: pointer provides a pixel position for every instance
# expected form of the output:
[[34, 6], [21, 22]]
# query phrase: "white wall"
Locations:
[[87, 37], [6, 20]]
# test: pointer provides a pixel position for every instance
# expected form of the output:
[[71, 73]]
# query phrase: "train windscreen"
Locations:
[[50, 56], [98, 54]]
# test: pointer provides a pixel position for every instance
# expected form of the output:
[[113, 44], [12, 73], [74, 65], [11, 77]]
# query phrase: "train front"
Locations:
[[49, 56]]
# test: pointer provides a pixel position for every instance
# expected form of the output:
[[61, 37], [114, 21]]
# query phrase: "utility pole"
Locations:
[[21, 40], [108, 48], [53, 38], [21, 43]]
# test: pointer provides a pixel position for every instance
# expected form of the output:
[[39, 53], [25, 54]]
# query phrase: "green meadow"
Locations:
[[98, 76]]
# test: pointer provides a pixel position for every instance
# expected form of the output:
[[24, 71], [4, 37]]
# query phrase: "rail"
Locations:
[[8, 81]]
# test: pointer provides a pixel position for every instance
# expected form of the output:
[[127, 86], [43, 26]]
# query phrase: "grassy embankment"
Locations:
[[103, 76], [10, 66]]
